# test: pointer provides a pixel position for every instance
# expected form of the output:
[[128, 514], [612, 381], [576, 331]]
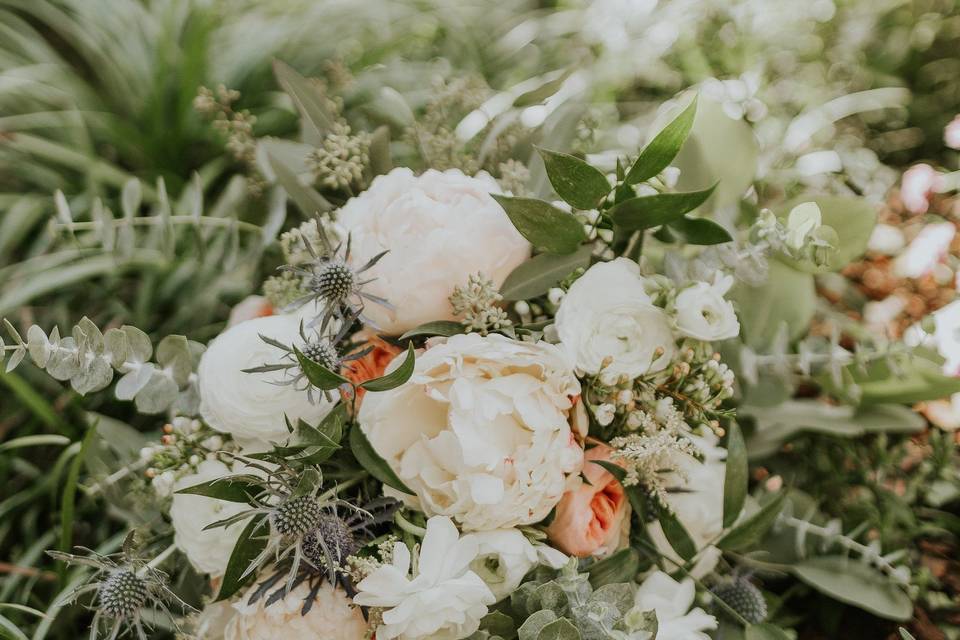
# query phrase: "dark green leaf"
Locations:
[[370, 460], [574, 180], [396, 377], [700, 231], [620, 567], [646, 212], [657, 155], [547, 228], [536, 276], [315, 118], [750, 531], [677, 536], [318, 375], [614, 469], [230, 488], [735, 481], [444, 328], [251, 542]]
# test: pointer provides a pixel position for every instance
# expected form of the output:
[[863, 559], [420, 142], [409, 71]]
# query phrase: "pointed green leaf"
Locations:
[[574, 180], [735, 481], [677, 535], [307, 199], [657, 155], [396, 377], [251, 542], [547, 228], [856, 583], [700, 231], [370, 460], [318, 375], [536, 276], [751, 530], [444, 328], [646, 212], [238, 488], [316, 119]]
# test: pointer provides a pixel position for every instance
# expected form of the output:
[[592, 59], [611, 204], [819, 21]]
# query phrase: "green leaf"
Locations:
[[735, 480], [622, 566], [40, 440], [251, 542], [307, 199], [852, 218], [561, 629], [316, 119], [751, 530], [68, 500], [677, 535], [787, 297], [700, 231], [914, 379], [444, 328], [579, 184], [318, 375], [239, 488], [539, 274], [544, 91], [906, 635], [766, 631], [646, 212], [855, 583], [547, 228], [531, 627], [396, 377], [370, 460], [657, 155]]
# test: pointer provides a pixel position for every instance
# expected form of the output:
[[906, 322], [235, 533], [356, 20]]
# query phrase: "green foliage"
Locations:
[[548, 229], [664, 147], [538, 275]]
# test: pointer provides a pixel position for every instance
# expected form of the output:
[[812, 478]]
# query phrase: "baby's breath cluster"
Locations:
[[477, 303], [236, 126], [341, 159]]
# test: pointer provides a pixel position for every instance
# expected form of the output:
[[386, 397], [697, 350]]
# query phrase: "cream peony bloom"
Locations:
[[331, 617], [697, 502], [247, 405], [504, 556], [704, 314], [607, 316], [439, 228], [208, 551], [672, 601], [443, 599], [481, 430]]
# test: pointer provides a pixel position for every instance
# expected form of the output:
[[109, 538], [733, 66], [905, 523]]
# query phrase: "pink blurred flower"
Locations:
[[918, 182], [951, 133]]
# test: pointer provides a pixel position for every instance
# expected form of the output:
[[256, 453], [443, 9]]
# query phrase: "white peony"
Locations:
[[481, 430], [331, 617], [210, 550], [504, 556], [250, 406], [672, 601], [704, 314], [443, 599], [697, 501], [607, 321], [439, 228]]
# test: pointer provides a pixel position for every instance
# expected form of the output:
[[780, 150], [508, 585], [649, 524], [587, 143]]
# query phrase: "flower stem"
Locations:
[[408, 526]]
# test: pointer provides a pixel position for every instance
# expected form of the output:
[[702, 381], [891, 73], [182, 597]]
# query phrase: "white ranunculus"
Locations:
[[608, 318], [439, 228], [249, 405], [672, 601], [331, 617], [697, 502], [208, 551], [704, 314], [481, 431], [504, 556], [802, 221], [443, 599]]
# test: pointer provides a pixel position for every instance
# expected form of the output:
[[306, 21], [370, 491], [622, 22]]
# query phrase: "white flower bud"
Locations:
[[555, 295], [625, 397], [163, 484], [605, 414]]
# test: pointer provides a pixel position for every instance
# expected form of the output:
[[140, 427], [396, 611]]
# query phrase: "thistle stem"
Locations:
[[160, 559]]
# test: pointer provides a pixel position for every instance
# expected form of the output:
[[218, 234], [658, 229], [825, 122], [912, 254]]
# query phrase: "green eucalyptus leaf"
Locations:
[[646, 212], [173, 354], [547, 228], [561, 629], [853, 582], [664, 147], [579, 184], [370, 460], [318, 375], [157, 395], [531, 627], [96, 375], [752, 529], [735, 480], [787, 297], [538, 275], [139, 346], [396, 377], [115, 344], [307, 199]]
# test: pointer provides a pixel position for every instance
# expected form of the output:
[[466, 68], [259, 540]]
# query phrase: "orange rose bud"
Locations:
[[590, 518]]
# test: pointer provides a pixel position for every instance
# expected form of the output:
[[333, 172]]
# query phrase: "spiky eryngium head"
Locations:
[[331, 541], [322, 352], [295, 517], [744, 597], [333, 280], [122, 594]]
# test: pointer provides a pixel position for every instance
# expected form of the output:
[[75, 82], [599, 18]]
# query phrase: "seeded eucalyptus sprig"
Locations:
[[88, 358]]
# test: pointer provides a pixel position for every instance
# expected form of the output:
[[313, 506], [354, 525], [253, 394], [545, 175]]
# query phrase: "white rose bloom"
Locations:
[[608, 316], [439, 228], [704, 314], [672, 601], [481, 431], [331, 617], [248, 405], [699, 504], [504, 556], [443, 599], [208, 551]]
